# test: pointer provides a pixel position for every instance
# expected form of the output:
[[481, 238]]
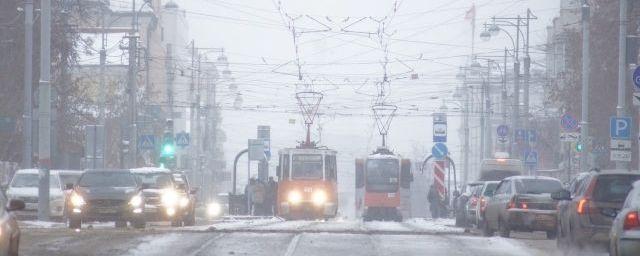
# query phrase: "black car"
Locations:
[[107, 195], [189, 192]]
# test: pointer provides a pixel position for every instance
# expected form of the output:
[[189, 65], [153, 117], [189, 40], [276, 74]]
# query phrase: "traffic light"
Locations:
[[167, 151], [579, 147]]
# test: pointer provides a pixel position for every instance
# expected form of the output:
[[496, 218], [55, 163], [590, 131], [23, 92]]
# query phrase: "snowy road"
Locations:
[[277, 237]]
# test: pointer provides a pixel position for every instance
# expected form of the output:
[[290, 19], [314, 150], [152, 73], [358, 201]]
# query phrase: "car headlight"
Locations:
[[319, 197], [136, 200], [77, 200], [169, 198], [184, 202], [294, 197], [213, 209]]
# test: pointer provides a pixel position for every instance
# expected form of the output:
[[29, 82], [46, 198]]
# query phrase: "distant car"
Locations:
[[9, 229], [218, 206], [625, 229], [485, 192], [186, 191], [590, 211], [163, 200], [460, 204], [24, 186], [107, 195], [522, 203], [472, 204]]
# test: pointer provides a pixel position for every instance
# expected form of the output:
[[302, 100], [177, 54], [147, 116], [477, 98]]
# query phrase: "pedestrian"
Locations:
[[434, 201], [272, 196], [249, 191], [259, 194]]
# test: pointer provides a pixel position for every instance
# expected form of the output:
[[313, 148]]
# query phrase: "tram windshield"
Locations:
[[382, 175], [306, 167]]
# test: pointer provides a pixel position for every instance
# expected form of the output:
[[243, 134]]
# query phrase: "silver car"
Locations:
[[625, 230]]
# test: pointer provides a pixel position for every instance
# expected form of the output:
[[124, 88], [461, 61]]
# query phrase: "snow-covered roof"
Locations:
[[382, 156]]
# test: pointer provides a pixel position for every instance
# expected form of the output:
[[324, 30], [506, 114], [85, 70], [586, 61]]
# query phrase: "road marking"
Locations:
[[292, 245], [206, 245]]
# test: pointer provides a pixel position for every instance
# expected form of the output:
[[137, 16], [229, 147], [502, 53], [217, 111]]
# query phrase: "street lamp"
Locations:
[[485, 35], [494, 30]]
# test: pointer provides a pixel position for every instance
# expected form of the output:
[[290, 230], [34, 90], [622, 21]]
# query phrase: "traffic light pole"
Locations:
[[44, 115]]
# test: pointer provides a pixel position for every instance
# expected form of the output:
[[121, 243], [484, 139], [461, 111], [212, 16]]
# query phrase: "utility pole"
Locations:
[[192, 115], [44, 115], [488, 130], [133, 52], [586, 61], [465, 125], [504, 95], [622, 68], [483, 117], [527, 78], [516, 92], [27, 115]]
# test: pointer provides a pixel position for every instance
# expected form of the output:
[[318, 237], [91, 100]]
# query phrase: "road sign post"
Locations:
[[620, 133]]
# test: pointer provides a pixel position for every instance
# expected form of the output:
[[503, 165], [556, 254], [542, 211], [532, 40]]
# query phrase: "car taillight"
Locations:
[[583, 204], [474, 201], [483, 204], [524, 206], [631, 221], [512, 203]]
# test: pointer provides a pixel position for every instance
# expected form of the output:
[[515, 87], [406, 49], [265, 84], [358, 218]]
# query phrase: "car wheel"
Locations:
[[190, 219], [121, 224], [486, 230], [552, 234], [139, 224], [74, 223], [503, 229]]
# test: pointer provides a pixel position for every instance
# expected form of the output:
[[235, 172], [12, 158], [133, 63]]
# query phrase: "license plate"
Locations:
[[544, 218], [106, 210]]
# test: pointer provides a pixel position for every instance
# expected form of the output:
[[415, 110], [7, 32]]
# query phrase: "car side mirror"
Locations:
[[194, 190], [68, 186], [456, 193], [15, 205], [144, 186], [561, 195]]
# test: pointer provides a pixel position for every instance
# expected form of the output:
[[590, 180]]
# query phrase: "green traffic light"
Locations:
[[168, 150], [578, 147]]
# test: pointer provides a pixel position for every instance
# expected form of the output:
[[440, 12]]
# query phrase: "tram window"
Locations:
[[285, 166], [330, 167], [307, 167], [359, 173]]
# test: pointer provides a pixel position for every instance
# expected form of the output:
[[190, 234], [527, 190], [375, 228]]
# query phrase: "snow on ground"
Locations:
[[437, 225], [154, 245], [385, 226], [50, 224], [235, 223]]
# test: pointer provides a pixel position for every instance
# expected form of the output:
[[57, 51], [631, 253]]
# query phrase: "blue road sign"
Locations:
[[620, 128], [147, 142], [531, 157], [503, 130], [520, 134], [439, 150], [532, 136], [182, 139], [569, 123], [636, 78], [439, 127]]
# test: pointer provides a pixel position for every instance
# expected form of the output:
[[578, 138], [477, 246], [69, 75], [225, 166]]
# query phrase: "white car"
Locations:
[[625, 230], [24, 187]]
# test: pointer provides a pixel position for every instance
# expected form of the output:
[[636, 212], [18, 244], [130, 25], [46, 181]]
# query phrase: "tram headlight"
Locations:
[[319, 197], [294, 197]]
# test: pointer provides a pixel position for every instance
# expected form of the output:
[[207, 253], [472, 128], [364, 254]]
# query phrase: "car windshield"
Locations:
[[537, 186], [30, 180], [307, 167], [155, 180], [491, 175], [490, 188], [107, 179], [613, 188], [382, 175]]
